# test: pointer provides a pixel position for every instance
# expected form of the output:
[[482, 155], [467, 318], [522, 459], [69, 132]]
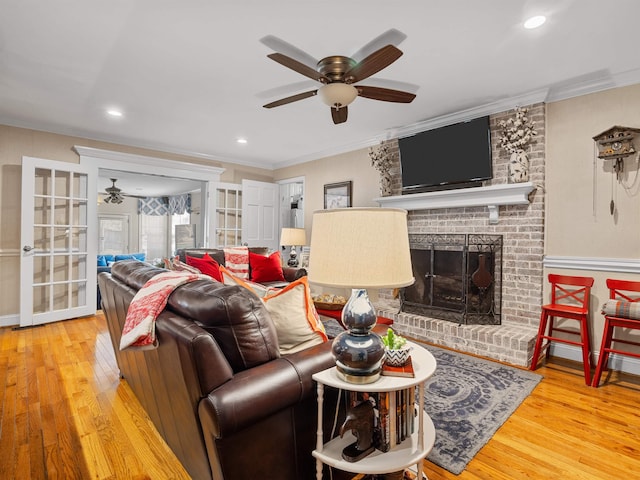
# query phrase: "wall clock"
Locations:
[[615, 144]]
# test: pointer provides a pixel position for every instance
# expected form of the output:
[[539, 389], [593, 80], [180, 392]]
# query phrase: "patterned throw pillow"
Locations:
[[622, 309], [236, 259], [294, 315]]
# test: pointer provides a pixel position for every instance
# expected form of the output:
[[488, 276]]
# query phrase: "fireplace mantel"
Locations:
[[491, 197]]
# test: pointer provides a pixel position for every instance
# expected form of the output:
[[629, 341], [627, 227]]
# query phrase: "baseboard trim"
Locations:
[[616, 362], [9, 320]]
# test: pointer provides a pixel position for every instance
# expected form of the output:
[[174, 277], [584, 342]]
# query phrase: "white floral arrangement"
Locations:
[[380, 158], [517, 131]]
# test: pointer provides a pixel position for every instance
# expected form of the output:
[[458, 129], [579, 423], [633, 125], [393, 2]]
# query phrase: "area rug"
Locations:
[[468, 399]]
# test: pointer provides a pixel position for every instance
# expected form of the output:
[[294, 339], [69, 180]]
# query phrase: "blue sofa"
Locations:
[[104, 265]]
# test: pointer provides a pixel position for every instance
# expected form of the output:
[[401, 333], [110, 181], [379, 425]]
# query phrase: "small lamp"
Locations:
[[293, 237], [360, 248]]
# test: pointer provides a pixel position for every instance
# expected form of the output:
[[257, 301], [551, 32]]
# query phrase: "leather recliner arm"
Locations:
[[292, 274]]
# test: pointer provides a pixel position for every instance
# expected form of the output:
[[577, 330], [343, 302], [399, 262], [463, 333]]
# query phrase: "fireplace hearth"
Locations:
[[458, 278]]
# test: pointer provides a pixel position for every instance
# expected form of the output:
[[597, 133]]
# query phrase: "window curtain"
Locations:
[[175, 205]]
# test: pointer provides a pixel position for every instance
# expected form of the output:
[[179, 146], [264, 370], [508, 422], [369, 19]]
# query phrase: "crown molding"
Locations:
[[154, 162]]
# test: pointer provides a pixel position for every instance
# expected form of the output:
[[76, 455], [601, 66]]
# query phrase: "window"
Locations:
[[157, 234]]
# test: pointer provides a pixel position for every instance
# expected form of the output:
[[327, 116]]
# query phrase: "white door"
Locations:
[[260, 225], [58, 260]]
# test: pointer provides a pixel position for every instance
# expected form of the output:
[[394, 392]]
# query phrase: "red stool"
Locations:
[[622, 291], [569, 300]]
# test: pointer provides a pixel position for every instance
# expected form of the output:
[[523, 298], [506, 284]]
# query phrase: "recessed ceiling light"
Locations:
[[535, 22], [242, 140], [114, 113]]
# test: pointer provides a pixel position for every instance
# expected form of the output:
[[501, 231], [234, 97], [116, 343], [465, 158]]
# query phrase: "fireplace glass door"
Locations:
[[457, 278]]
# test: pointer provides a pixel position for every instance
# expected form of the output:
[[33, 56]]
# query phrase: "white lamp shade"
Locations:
[[337, 94], [293, 237], [360, 248]]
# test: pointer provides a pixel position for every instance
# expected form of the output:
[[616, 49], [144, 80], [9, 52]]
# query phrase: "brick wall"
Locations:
[[522, 228]]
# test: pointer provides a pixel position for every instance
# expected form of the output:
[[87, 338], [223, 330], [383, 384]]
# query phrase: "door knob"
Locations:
[[27, 248]]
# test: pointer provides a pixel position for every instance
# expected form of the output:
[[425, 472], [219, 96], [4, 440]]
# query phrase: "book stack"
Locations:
[[405, 412]]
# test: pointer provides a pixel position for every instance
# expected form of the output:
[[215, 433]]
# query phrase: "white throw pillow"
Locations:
[[294, 315]]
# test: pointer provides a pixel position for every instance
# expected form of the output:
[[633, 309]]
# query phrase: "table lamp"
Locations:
[[360, 248], [293, 237]]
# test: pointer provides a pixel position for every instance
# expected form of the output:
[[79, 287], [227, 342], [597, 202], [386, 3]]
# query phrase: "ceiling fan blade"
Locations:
[[293, 98], [385, 94], [392, 84], [339, 115], [298, 67], [278, 45], [287, 89], [373, 63], [390, 37]]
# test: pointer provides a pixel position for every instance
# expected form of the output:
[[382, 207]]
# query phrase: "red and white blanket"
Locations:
[[140, 324], [236, 259]]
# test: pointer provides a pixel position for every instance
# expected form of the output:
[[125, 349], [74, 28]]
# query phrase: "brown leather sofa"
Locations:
[[216, 387], [290, 273]]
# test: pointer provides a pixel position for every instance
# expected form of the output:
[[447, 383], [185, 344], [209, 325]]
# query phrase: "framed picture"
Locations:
[[304, 257], [337, 195]]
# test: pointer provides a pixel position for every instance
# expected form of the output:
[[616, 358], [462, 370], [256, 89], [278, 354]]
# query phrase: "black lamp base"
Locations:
[[358, 351], [293, 258]]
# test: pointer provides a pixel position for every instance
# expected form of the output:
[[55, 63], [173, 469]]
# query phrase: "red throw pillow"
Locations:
[[266, 269], [206, 265]]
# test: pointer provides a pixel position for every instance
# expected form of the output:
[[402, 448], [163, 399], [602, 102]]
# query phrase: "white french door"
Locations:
[[58, 258]]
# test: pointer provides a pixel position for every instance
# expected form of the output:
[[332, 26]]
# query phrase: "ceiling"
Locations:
[[191, 77]]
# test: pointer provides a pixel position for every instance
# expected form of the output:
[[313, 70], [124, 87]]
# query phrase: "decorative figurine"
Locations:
[[360, 421]]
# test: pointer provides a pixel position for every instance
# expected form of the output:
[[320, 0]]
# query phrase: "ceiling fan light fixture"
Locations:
[[337, 95], [535, 22]]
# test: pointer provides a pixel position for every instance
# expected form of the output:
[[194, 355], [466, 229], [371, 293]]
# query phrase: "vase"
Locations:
[[385, 185], [518, 167]]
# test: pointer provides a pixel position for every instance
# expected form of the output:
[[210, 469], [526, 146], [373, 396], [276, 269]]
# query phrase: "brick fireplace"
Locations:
[[515, 212]]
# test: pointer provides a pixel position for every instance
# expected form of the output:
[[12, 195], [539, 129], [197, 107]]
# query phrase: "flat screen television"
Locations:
[[454, 156]]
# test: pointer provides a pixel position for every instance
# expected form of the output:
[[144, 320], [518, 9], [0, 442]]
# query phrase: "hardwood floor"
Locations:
[[66, 414]]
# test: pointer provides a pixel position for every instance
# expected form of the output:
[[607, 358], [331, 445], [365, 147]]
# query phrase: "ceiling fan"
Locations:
[[338, 74], [114, 194]]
